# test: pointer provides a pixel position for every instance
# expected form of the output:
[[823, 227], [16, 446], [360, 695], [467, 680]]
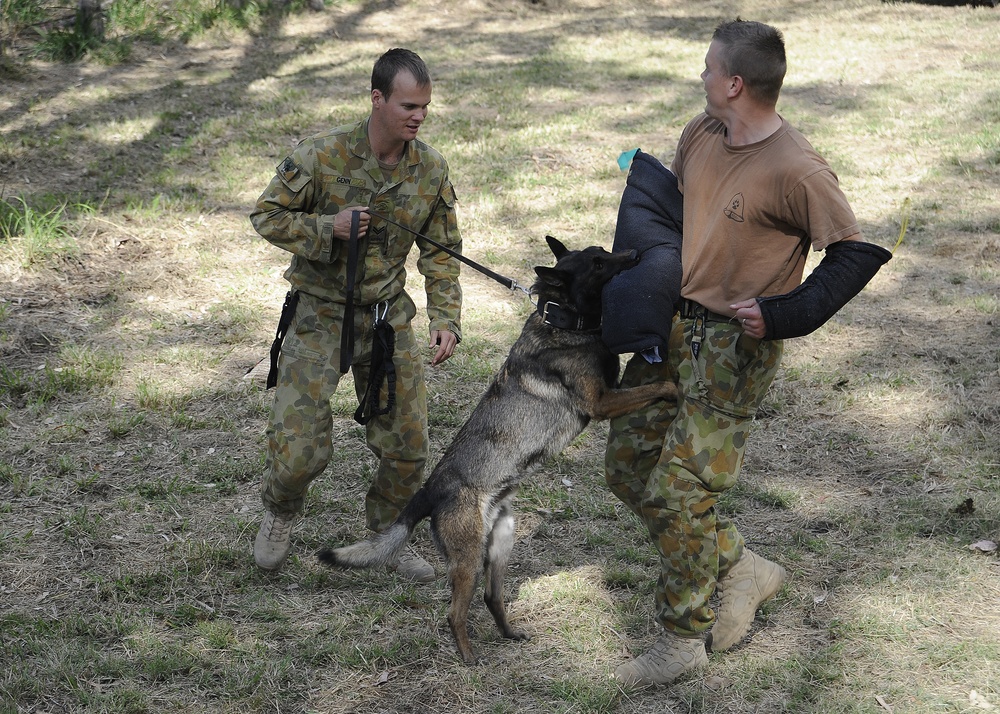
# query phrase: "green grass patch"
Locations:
[[134, 295]]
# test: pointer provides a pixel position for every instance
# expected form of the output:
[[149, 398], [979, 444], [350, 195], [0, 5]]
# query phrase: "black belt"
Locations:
[[691, 310]]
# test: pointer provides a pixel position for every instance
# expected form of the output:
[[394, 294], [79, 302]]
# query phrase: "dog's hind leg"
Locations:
[[463, 572], [458, 531], [498, 549]]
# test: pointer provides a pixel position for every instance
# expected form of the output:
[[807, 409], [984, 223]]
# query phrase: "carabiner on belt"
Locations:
[[380, 310], [697, 335]]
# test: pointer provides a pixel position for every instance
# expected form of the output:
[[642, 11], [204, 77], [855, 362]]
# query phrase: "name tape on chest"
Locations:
[[352, 182]]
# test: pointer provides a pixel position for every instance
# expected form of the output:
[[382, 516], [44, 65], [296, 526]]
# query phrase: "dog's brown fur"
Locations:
[[552, 384]]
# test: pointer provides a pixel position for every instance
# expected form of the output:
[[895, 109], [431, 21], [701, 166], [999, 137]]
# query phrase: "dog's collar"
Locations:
[[566, 318]]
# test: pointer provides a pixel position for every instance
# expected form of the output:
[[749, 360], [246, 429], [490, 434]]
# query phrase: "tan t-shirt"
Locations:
[[751, 212]]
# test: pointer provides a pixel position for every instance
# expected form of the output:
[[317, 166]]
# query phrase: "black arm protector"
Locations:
[[843, 273], [640, 302]]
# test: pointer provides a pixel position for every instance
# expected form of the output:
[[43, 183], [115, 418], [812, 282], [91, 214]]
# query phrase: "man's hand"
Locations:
[[749, 315], [342, 222], [445, 341]]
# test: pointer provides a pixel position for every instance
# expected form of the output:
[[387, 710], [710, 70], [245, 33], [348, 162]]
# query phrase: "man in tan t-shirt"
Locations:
[[756, 198]]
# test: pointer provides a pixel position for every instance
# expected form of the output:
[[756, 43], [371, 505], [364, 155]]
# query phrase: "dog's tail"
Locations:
[[383, 548]]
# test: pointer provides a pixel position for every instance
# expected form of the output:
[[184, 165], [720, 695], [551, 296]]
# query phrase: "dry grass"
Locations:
[[132, 447]]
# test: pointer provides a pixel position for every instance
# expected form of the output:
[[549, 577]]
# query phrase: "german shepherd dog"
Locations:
[[559, 375]]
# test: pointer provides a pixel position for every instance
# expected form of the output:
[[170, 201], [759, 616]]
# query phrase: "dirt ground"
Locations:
[[874, 458]]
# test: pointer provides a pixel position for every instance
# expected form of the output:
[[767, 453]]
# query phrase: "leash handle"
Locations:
[[382, 370], [284, 322]]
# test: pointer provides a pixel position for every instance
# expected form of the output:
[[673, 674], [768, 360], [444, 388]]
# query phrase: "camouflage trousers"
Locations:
[[299, 432], [670, 462]]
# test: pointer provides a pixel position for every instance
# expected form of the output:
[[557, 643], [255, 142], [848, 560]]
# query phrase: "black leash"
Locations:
[[347, 336], [509, 283], [287, 312], [384, 338]]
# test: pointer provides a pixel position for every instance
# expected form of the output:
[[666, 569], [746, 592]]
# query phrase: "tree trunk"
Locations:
[[90, 19]]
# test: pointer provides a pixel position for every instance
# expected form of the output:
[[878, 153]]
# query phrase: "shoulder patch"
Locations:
[[288, 169], [292, 175]]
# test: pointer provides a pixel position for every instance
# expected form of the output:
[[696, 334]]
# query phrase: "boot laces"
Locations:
[[276, 527]]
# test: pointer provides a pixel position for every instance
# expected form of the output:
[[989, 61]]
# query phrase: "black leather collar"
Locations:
[[566, 318]]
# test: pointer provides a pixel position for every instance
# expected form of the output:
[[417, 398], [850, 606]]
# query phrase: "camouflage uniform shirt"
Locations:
[[333, 170]]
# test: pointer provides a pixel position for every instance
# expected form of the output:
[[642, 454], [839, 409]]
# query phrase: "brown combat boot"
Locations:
[[273, 542], [667, 660], [412, 567], [749, 582]]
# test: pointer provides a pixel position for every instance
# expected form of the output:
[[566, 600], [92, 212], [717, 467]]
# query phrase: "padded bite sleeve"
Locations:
[[844, 271]]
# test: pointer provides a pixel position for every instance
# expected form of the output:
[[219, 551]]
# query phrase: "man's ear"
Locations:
[[735, 85]]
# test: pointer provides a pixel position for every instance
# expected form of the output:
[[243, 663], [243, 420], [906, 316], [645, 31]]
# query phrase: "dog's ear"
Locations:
[[557, 248], [551, 276]]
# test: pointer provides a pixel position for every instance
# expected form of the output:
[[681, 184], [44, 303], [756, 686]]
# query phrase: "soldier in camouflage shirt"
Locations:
[[378, 165]]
